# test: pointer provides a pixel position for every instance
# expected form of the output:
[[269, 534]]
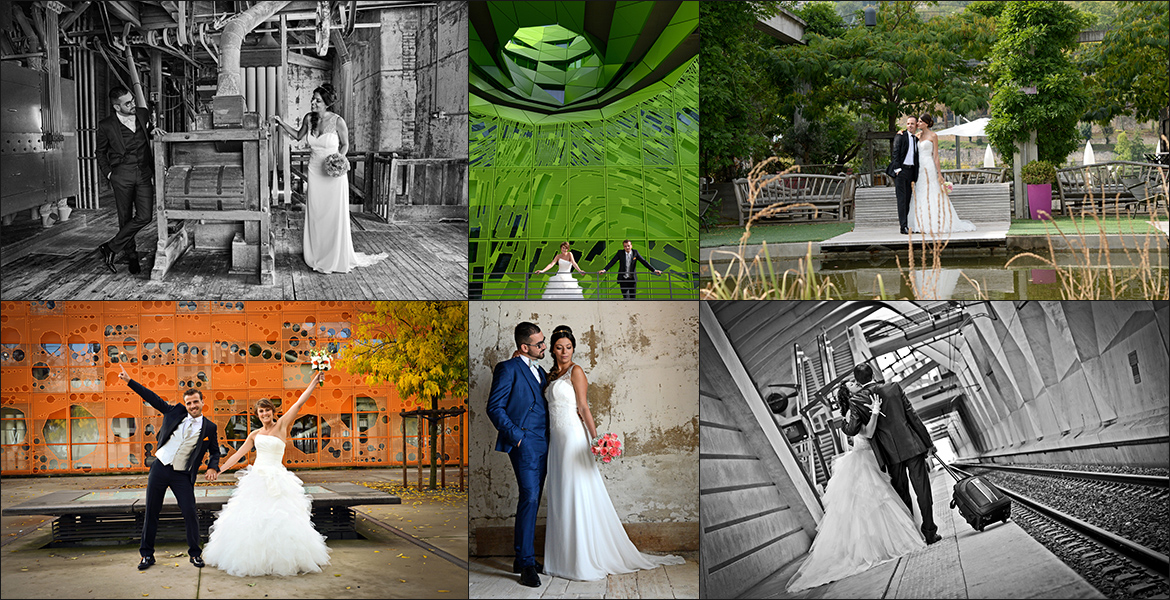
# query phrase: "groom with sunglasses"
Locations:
[[517, 409]]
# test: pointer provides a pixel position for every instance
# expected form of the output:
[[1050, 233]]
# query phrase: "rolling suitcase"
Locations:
[[978, 500]]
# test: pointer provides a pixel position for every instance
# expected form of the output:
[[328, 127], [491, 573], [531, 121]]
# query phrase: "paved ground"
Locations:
[[1003, 561], [398, 558]]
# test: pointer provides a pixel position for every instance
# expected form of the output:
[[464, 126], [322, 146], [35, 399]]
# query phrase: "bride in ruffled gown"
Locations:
[[563, 286], [865, 522], [328, 242], [584, 538], [931, 211], [266, 527]]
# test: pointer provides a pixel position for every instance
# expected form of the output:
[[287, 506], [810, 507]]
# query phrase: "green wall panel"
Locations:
[[593, 183]]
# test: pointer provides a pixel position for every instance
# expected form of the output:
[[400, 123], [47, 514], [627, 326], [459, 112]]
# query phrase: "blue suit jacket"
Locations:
[[510, 402]]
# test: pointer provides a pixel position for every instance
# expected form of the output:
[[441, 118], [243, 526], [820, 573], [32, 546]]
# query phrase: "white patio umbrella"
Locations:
[[1089, 158], [988, 158], [974, 128]]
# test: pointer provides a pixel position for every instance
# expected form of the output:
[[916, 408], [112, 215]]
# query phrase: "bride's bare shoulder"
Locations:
[[577, 372]]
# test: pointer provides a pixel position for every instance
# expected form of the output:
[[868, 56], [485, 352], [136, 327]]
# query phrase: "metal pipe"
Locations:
[[270, 105], [232, 39], [259, 97], [250, 87]]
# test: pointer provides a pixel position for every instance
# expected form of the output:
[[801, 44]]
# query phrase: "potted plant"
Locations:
[[1038, 176]]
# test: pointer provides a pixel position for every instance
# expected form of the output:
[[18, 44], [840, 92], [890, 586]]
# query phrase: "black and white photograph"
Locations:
[[933, 449], [244, 150]]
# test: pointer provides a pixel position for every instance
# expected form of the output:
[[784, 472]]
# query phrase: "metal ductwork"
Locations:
[[229, 104]]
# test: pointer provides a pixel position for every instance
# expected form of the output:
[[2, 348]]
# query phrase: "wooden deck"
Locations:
[[427, 261], [876, 218], [493, 578]]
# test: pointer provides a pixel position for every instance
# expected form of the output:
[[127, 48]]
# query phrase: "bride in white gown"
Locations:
[[563, 286], [865, 522], [931, 211], [266, 526], [328, 243], [584, 538]]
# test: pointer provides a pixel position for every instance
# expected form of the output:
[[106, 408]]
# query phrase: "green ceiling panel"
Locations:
[[535, 46]]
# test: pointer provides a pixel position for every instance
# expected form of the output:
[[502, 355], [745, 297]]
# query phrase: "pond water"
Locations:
[[856, 276]]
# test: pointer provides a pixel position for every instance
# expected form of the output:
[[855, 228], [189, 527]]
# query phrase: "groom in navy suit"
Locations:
[[183, 438], [517, 409]]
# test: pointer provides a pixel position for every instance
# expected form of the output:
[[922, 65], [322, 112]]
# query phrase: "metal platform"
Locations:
[[111, 516]]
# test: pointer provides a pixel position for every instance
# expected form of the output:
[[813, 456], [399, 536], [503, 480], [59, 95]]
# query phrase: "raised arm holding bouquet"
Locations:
[[266, 527]]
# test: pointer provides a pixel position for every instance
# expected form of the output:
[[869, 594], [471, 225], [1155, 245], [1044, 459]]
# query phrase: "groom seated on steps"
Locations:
[[183, 438]]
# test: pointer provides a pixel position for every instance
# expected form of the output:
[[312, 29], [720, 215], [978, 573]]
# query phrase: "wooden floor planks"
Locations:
[[492, 577], [425, 261]]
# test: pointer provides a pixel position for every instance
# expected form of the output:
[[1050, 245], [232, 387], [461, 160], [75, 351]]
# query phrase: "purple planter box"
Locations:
[[1040, 199]]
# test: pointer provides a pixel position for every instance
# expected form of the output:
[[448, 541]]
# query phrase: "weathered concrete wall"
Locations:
[[441, 75], [641, 359], [302, 81]]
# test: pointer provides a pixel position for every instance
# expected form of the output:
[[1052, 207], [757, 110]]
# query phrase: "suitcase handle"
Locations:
[[947, 467]]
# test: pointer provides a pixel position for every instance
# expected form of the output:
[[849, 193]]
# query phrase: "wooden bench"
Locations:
[[831, 197], [974, 176], [1128, 186], [984, 205]]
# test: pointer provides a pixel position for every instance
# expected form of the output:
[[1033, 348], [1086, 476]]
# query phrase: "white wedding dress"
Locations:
[[562, 286], [584, 539], [931, 212], [865, 522], [327, 240], [265, 528]]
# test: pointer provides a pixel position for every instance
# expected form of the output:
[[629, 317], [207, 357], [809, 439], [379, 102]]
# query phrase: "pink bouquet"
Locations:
[[948, 187], [336, 165], [321, 360], [607, 447]]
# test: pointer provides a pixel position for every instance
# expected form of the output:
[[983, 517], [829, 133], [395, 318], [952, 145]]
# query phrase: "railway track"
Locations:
[[1116, 565]]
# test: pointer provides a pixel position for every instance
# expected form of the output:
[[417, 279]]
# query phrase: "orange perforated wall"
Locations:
[[65, 410]]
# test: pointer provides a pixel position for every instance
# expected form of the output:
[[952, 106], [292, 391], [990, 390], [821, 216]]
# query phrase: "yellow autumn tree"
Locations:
[[420, 347]]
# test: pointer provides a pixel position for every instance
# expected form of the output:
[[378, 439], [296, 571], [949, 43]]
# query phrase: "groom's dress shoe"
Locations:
[[146, 562], [108, 257], [934, 537], [904, 231], [516, 568], [197, 561], [529, 577]]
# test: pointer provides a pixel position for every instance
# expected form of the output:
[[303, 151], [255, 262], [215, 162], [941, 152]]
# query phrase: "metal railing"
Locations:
[[520, 285], [370, 181]]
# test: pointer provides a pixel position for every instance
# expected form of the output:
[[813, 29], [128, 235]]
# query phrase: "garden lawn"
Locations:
[[1112, 225], [774, 234]]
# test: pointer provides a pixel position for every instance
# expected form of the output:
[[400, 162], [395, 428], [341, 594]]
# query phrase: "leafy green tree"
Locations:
[[1130, 148], [738, 102], [1086, 130], [1127, 71], [903, 65], [1035, 39], [420, 347]]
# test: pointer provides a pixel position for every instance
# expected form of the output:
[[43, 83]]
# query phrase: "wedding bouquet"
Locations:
[[607, 447], [948, 187], [336, 165], [321, 360]]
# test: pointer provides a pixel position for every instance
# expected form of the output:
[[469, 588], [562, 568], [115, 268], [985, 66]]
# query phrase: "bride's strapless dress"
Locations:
[[931, 212], [865, 522], [584, 538], [266, 527], [562, 286], [327, 239]]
